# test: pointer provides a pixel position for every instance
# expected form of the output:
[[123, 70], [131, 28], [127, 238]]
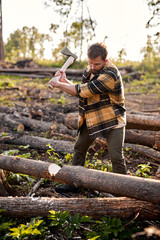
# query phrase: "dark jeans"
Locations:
[[115, 142]]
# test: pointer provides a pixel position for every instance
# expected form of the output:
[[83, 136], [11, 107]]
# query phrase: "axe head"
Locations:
[[67, 52]]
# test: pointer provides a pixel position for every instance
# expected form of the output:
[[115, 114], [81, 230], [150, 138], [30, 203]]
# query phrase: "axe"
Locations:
[[69, 61]]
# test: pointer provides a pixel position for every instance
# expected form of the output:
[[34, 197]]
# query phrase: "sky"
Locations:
[[122, 21]]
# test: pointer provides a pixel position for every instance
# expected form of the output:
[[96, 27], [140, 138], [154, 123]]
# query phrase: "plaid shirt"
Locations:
[[101, 100]]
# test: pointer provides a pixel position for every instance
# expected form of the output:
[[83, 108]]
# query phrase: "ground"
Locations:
[[32, 95]]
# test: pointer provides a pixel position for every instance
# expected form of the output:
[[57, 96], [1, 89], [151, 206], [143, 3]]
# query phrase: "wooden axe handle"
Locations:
[[68, 62]]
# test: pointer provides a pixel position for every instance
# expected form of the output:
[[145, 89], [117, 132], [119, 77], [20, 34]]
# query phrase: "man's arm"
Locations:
[[63, 83]]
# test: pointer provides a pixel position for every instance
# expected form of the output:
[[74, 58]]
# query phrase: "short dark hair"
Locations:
[[97, 49]]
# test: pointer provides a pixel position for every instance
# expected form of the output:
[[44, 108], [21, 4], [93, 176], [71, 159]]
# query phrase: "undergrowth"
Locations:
[[63, 225]]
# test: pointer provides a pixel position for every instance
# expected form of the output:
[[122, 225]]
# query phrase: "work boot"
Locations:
[[66, 189]]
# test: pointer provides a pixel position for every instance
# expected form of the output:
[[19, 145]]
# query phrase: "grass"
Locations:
[[149, 84]]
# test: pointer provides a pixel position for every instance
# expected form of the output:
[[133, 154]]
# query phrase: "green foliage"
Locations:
[[97, 164], [29, 229], [62, 100], [67, 222], [53, 156], [107, 228], [68, 157], [5, 224], [25, 43], [143, 170], [20, 178], [66, 225]]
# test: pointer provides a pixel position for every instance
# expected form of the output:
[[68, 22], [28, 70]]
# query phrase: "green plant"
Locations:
[[107, 228], [143, 170], [98, 165], [53, 156], [66, 221], [23, 231], [68, 157], [5, 224], [19, 178]]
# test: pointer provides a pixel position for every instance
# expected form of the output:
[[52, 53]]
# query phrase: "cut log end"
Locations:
[[53, 169]]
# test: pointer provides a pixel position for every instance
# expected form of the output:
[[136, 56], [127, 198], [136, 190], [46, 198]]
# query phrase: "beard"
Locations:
[[94, 72]]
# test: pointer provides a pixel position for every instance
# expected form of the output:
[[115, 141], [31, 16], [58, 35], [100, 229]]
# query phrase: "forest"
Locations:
[[38, 130]]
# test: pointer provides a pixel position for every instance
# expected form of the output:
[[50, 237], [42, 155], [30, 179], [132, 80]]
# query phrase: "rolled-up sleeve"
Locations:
[[102, 85]]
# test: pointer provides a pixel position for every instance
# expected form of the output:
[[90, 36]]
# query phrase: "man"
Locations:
[[101, 108]]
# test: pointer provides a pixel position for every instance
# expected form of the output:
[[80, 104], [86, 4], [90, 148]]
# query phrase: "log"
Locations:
[[27, 207], [27, 122], [150, 139], [134, 121], [143, 122], [146, 138], [19, 127], [38, 143], [144, 150], [35, 125], [118, 184]]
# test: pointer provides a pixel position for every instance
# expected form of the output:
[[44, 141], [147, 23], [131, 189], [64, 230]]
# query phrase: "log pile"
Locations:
[[145, 192], [27, 68], [135, 195]]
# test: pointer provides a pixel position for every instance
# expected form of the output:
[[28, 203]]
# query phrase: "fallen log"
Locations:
[[118, 184], [144, 150], [27, 122], [143, 122], [27, 207], [146, 138], [134, 121], [19, 127], [150, 139], [38, 142], [22, 123]]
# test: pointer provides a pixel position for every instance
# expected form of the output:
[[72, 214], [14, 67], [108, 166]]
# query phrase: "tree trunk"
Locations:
[[19, 127], [27, 122], [27, 207], [118, 184], [21, 123], [143, 122], [1, 37], [38, 142], [148, 138]]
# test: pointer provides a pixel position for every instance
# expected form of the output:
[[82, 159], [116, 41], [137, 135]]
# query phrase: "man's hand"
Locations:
[[59, 77], [60, 81], [62, 76]]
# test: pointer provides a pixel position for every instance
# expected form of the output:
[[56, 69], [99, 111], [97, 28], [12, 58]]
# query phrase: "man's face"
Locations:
[[96, 64]]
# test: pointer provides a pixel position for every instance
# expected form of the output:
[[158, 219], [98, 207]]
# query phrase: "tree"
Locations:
[[1, 38], [80, 29], [151, 57], [121, 55], [154, 6], [26, 43]]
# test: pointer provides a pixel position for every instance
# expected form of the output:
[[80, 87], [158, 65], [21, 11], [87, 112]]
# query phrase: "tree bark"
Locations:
[[146, 138], [22, 123], [38, 142], [27, 207], [118, 184], [27, 122], [19, 127], [143, 122]]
